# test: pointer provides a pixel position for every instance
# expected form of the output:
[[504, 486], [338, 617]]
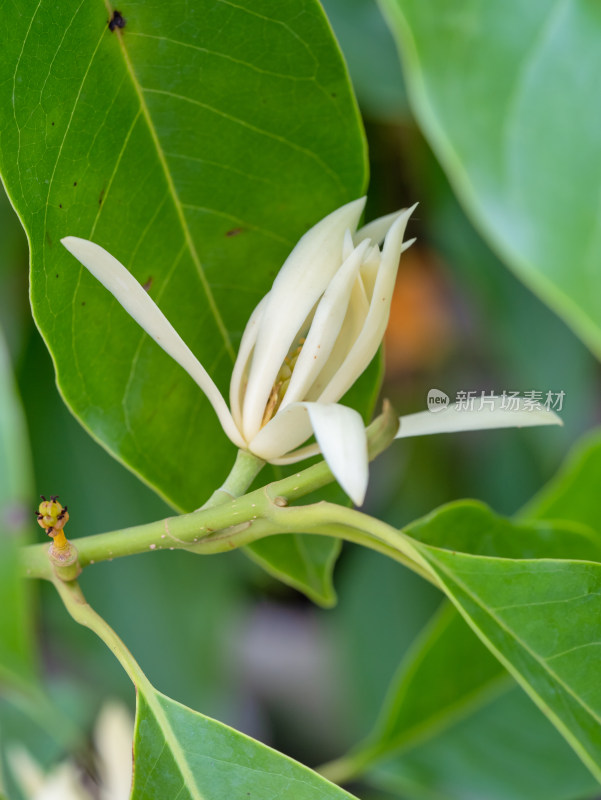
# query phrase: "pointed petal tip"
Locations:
[[71, 242], [340, 433]]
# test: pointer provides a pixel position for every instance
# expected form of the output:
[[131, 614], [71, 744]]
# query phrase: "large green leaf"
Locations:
[[180, 753], [452, 699], [17, 664], [448, 675], [197, 144], [504, 750], [573, 494], [541, 619], [508, 96], [471, 527]]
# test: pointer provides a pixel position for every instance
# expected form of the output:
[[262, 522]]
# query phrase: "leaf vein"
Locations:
[[243, 123]]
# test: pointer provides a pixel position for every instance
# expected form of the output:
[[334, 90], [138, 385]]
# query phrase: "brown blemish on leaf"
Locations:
[[146, 286], [234, 232]]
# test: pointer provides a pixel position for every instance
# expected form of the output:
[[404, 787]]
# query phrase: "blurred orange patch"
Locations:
[[421, 331]]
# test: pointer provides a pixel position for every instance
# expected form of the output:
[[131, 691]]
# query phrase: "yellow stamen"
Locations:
[[281, 384]]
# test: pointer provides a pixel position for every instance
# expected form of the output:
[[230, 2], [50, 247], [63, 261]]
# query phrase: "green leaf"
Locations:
[[471, 527], [573, 494], [498, 103], [541, 618], [505, 750], [303, 562], [452, 699], [17, 663], [448, 674], [180, 753], [196, 144]]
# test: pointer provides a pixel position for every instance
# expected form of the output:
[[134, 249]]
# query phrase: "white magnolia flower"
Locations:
[[113, 735], [304, 346]]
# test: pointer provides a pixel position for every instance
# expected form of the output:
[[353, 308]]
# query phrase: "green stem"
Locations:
[[243, 519], [84, 614], [246, 468], [348, 767]]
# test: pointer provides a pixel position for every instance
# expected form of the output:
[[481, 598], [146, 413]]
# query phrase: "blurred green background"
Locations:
[[217, 633]]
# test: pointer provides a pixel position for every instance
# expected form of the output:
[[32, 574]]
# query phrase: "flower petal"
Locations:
[[297, 288], [284, 432], [368, 341], [298, 455], [138, 304], [325, 327], [377, 229], [242, 365], [340, 435], [453, 419]]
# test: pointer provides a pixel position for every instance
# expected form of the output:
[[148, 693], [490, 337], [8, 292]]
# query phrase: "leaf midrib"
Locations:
[[174, 195]]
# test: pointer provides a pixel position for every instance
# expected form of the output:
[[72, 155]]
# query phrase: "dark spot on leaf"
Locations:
[[60, 205], [83, 303], [48, 239], [334, 94], [53, 123], [101, 197], [116, 21], [234, 232], [57, 274], [146, 286], [74, 183]]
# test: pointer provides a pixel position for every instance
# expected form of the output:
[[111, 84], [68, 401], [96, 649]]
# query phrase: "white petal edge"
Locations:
[[287, 430], [298, 455], [340, 435], [240, 372], [138, 304], [368, 341], [454, 420], [377, 229], [326, 325], [298, 286]]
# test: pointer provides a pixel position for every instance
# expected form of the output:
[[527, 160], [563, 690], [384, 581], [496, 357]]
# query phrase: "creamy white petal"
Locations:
[[352, 326], [347, 244], [137, 302], [242, 366], [298, 455], [297, 288], [453, 420], [340, 435], [326, 325], [368, 341], [377, 229], [284, 432], [369, 270]]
